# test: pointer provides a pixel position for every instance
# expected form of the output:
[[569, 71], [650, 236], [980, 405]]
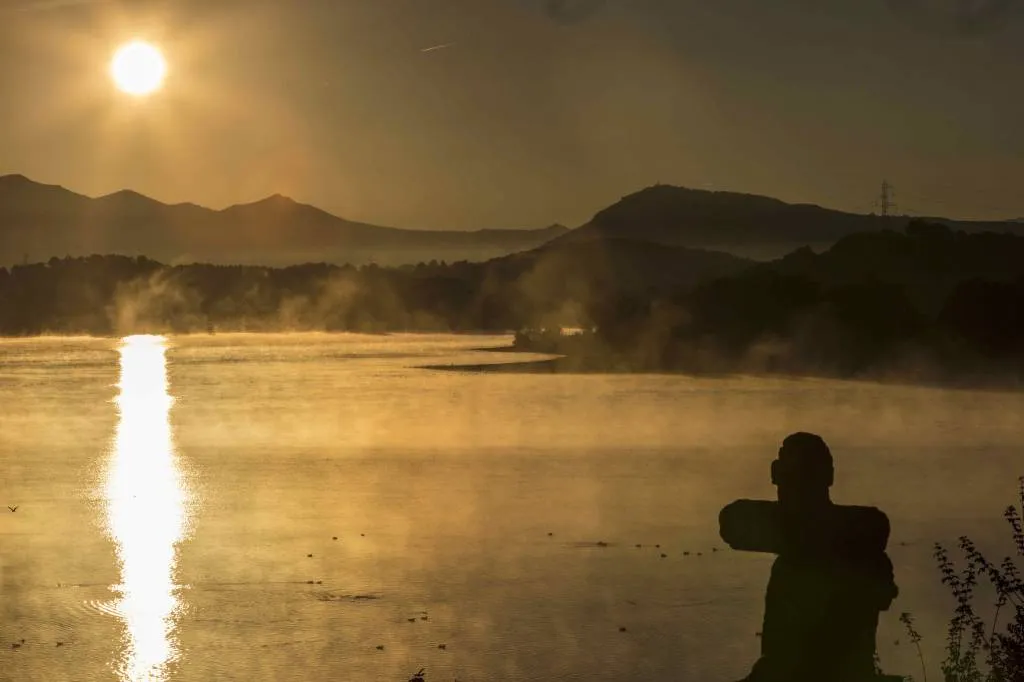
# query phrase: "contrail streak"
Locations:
[[436, 47]]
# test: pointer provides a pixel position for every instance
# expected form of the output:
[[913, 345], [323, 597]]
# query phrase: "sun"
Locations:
[[138, 68]]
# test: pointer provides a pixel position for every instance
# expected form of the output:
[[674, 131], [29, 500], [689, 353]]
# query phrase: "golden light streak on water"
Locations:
[[146, 511]]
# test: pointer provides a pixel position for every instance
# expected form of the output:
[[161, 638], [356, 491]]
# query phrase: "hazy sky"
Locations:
[[536, 111]]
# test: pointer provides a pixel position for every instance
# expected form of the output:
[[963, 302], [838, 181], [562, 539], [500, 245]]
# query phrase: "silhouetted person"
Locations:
[[832, 576]]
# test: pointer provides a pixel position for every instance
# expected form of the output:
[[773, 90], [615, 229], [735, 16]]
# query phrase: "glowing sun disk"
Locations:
[[138, 68]]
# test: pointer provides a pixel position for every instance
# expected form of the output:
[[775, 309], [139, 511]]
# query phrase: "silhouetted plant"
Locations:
[[976, 652], [915, 639]]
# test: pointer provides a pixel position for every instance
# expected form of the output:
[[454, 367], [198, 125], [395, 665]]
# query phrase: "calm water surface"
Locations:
[[178, 502]]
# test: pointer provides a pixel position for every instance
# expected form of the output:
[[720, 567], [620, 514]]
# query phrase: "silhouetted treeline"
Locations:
[[548, 286], [118, 295], [925, 301], [104, 295]]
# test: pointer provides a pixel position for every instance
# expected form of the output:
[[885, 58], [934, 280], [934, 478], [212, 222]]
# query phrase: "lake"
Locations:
[[277, 507]]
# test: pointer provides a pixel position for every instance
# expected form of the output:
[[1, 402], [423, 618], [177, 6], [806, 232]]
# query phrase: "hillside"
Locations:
[[924, 304], [925, 260], [623, 266], [39, 221], [744, 224]]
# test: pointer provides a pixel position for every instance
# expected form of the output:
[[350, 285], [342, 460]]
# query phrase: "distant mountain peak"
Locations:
[[16, 178], [129, 199], [126, 194], [23, 186], [19, 181], [675, 192], [750, 225], [275, 200]]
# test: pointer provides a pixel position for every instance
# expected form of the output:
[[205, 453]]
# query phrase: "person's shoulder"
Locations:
[[879, 518], [864, 514], [866, 527]]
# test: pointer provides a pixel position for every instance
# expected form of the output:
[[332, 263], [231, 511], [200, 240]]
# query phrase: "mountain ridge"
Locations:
[[40, 220], [748, 225]]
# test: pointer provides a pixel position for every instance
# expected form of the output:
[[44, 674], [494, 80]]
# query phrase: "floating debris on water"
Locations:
[[327, 596]]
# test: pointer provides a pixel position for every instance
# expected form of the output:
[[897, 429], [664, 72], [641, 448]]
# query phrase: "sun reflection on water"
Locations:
[[146, 510]]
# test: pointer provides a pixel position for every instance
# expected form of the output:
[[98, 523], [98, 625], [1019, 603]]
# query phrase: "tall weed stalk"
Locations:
[[975, 651]]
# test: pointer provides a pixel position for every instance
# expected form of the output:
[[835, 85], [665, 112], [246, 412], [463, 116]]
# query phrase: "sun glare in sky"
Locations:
[[138, 68]]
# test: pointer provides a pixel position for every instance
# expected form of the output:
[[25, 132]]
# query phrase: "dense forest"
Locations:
[[104, 295], [926, 301], [545, 287]]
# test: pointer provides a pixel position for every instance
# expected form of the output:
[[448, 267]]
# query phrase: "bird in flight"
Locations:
[[13, 509]]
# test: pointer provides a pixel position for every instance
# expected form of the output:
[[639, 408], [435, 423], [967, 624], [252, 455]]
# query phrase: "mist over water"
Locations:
[[171, 493]]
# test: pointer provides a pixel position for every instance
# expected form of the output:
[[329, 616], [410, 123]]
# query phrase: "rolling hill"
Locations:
[[743, 224], [585, 270], [39, 221]]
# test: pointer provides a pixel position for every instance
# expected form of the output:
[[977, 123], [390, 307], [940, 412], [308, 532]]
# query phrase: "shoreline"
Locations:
[[564, 364], [569, 364], [256, 332]]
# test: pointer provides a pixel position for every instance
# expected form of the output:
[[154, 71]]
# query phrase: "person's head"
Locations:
[[803, 471]]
